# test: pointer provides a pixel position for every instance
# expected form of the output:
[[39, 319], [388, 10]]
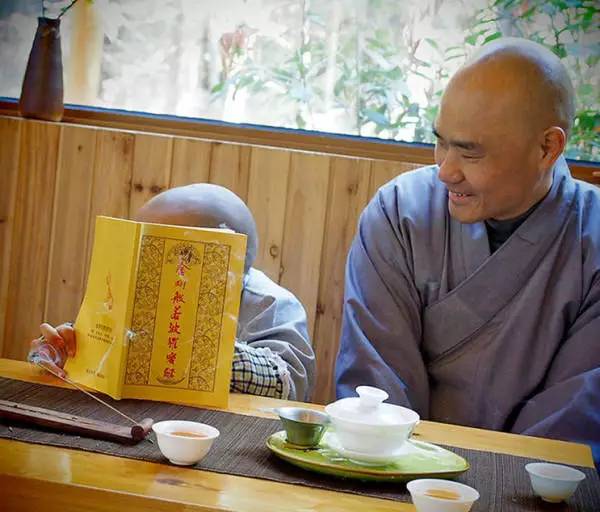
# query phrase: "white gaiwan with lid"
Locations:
[[366, 425]]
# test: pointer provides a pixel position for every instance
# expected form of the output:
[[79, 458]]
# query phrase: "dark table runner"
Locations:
[[240, 450]]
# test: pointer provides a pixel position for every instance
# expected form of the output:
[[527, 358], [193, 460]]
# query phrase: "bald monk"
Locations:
[[273, 355], [473, 286]]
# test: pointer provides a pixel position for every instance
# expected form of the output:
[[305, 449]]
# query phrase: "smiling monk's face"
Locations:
[[502, 124]]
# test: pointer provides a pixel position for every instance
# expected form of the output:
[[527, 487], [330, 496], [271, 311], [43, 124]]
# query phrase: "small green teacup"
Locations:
[[304, 427]]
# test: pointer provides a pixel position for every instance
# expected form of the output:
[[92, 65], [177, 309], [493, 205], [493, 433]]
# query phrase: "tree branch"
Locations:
[[65, 9]]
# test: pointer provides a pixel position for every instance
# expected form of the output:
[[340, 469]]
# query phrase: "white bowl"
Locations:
[[553, 482], [366, 459], [377, 440], [184, 451], [423, 503], [364, 424]]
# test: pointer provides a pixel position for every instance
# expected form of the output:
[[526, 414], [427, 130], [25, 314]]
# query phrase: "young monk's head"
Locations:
[[203, 205], [503, 121]]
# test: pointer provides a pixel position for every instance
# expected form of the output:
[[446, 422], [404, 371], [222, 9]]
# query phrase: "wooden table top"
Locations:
[[60, 479]]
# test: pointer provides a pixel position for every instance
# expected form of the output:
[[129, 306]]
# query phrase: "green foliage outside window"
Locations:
[[372, 68], [376, 52]]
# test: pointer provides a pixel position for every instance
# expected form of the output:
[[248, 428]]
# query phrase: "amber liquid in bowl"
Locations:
[[442, 494], [181, 433]]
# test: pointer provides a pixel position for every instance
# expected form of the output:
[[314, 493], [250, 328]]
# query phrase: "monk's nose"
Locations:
[[450, 169]]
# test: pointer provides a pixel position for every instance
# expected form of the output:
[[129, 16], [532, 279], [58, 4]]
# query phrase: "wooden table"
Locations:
[[59, 479]]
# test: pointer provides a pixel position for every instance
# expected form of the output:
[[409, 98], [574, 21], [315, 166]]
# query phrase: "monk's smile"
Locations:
[[459, 198]]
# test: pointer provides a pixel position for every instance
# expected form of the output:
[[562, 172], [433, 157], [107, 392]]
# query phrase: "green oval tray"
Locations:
[[421, 460]]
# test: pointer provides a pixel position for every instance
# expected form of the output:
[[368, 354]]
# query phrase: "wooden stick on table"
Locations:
[[96, 429]]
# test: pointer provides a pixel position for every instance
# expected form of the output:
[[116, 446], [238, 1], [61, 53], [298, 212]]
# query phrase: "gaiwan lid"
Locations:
[[368, 409]]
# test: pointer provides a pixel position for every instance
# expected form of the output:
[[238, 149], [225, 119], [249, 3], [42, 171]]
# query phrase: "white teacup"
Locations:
[[553, 482], [365, 425], [435, 495], [184, 442]]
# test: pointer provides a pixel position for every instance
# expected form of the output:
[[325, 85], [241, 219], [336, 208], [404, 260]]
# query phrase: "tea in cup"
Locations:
[[184, 442], [435, 495]]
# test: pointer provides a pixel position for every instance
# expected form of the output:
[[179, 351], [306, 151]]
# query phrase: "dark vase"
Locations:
[[42, 91]]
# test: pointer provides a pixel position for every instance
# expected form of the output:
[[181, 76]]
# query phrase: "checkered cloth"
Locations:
[[259, 371]]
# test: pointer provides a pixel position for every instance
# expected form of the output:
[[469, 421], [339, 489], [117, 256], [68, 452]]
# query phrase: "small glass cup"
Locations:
[[303, 427], [43, 352]]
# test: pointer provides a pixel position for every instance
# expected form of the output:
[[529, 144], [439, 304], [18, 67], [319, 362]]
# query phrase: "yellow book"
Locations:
[[159, 316]]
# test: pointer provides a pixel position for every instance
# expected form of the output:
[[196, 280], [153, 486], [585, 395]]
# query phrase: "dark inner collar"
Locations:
[[499, 231]]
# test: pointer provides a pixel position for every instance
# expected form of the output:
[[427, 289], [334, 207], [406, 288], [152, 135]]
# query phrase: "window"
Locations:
[[360, 67]]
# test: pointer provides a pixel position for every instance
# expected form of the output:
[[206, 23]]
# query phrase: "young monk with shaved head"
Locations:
[[273, 355], [473, 286]]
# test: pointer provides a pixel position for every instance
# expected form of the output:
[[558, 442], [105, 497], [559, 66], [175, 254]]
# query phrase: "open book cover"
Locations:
[[159, 316]]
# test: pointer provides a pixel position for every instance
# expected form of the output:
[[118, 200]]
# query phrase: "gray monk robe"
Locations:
[[505, 341], [273, 354]]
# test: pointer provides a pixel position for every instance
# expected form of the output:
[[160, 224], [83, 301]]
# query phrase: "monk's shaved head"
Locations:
[[502, 124], [526, 79], [203, 205]]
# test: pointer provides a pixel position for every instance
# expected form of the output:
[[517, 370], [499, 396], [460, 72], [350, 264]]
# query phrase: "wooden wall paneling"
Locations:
[[350, 180], [383, 171], [111, 189], [10, 132], [31, 235], [191, 162], [67, 263], [306, 207], [229, 167], [305, 228], [267, 197], [245, 155], [152, 159]]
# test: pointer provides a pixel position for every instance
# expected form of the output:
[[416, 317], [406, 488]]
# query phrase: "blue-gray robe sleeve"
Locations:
[[568, 404], [273, 321], [381, 328]]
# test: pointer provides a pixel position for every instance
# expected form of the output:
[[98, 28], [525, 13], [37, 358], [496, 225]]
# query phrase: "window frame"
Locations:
[[314, 142]]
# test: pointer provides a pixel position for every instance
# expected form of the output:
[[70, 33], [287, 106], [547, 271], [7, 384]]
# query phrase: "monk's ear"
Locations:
[[553, 144]]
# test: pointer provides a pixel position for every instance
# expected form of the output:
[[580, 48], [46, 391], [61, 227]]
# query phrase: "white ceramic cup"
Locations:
[[418, 488], [553, 482], [184, 451]]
